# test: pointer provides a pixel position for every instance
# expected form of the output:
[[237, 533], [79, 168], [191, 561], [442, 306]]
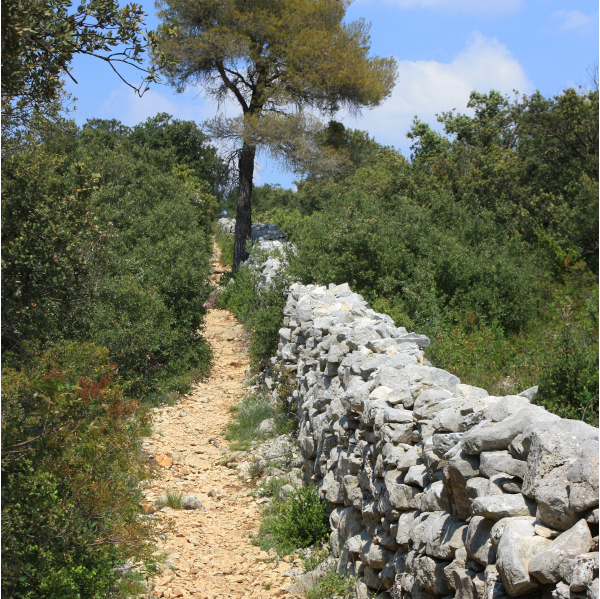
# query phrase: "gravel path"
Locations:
[[210, 554]]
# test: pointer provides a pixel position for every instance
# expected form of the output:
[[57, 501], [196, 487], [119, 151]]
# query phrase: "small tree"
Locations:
[[275, 58]]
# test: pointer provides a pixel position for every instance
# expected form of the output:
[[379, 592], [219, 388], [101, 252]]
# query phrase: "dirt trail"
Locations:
[[209, 548]]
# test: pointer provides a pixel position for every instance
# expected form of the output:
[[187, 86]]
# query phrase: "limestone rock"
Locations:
[[469, 584], [435, 498], [417, 475], [513, 557], [480, 487], [459, 562], [545, 566], [503, 483], [550, 444], [459, 469], [484, 437], [429, 575], [191, 502], [478, 541], [523, 525], [374, 555], [402, 496], [494, 589], [469, 393], [583, 479], [494, 462], [497, 507], [350, 523], [442, 443], [581, 572], [445, 537]]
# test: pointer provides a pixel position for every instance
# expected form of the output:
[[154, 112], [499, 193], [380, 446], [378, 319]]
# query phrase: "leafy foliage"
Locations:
[[152, 275], [71, 463], [125, 258], [106, 239], [299, 521], [40, 39], [486, 242], [532, 163], [46, 235]]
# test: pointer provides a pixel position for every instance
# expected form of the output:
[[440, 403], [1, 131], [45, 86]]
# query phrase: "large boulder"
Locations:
[[486, 437], [545, 566], [514, 554], [550, 444]]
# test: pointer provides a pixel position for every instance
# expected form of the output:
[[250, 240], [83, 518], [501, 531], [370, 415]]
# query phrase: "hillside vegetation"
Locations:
[[486, 241], [106, 250]]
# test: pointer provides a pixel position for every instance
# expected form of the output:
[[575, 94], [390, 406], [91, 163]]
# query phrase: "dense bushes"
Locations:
[[105, 270], [486, 241], [71, 463], [47, 231], [108, 239], [151, 274]]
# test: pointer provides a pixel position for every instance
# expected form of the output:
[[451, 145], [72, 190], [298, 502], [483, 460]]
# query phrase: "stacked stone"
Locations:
[[437, 489], [267, 238]]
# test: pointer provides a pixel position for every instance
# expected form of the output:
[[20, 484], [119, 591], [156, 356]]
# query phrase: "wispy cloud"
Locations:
[[496, 7], [124, 105], [426, 88], [574, 19]]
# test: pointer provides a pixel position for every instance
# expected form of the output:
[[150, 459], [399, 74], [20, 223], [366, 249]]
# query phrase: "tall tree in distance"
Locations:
[[276, 59]]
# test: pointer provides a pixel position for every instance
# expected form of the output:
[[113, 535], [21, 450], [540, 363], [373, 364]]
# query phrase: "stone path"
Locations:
[[210, 554]]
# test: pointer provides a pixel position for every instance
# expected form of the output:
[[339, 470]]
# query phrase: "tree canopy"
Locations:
[[39, 40], [275, 58]]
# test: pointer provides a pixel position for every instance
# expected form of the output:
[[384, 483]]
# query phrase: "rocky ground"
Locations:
[[210, 554]]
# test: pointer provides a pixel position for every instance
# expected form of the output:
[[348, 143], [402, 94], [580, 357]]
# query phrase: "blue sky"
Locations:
[[444, 49]]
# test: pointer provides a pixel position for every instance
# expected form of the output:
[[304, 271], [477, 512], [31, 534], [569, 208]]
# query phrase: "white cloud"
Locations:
[[573, 19], [124, 105], [495, 7], [426, 88]]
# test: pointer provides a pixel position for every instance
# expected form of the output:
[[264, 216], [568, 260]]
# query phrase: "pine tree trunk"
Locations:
[[243, 216]]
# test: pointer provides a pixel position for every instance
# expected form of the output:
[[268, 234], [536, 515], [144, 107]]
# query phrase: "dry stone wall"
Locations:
[[437, 489]]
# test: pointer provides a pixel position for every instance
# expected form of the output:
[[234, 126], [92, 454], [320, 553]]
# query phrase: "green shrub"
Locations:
[[152, 273], [247, 415], [225, 243], [47, 228], [120, 256], [331, 585], [71, 467], [174, 499], [259, 308], [569, 378], [299, 521]]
